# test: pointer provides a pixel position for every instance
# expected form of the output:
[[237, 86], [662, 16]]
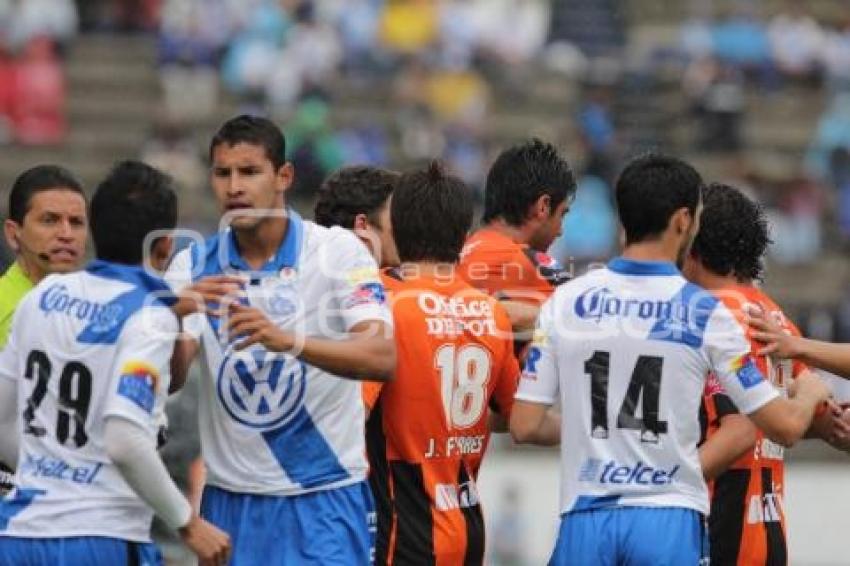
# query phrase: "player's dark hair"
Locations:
[[650, 190], [431, 213], [521, 175], [39, 179], [350, 191], [253, 130], [134, 200], [733, 234]]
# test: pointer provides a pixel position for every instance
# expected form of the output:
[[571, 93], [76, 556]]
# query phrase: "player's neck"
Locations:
[[655, 250], [30, 269], [519, 234], [259, 243], [714, 282]]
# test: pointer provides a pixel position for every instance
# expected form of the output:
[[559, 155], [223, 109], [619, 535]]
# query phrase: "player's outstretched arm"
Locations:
[[785, 421], [834, 358], [535, 423], [134, 453], [523, 317], [733, 439], [368, 353]]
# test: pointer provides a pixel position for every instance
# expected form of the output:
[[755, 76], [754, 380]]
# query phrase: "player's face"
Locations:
[[246, 184], [52, 237], [550, 229]]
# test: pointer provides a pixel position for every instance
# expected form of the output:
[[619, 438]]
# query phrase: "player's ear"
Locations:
[[10, 232], [161, 253], [542, 207], [682, 221], [285, 177]]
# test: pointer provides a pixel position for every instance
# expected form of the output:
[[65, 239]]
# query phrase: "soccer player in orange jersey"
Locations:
[[747, 519], [528, 191], [429, 430]]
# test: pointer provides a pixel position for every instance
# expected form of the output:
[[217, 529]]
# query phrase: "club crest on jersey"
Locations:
[[138, 383], [260, 389], [280, 298]]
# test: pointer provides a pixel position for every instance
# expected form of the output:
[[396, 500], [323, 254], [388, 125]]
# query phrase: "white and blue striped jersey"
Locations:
[[84, 347], [627, 350], [270, 423]]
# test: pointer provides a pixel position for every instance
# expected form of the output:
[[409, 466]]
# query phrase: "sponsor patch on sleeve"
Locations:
[[747, 372], [138, 383], [371, 292]]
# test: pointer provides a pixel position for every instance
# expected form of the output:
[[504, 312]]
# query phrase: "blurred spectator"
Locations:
[[312, 146], [833, 132], [38, 95], [409, 26], [54, 19], [797, 222], [364, 144], [598, 134], [508, 544], [358, 22], [590, 226], [796, 42], [717, 99], [836, 56], [741, 41]]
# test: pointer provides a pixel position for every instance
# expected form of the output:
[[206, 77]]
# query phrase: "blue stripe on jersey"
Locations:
[[220, 254], [303, 453], [20, 500], [626, 266], [106, 326], [691, 308]]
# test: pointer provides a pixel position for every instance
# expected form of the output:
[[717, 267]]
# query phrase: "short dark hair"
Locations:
[[350, 191], [650, 189], [733, 234], [134, 200], [36, 180], [431, 213], [521, 175], [253, 130]]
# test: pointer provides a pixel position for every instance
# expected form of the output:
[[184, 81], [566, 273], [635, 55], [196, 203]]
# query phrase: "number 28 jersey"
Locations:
[[627, 349], [84, 347]]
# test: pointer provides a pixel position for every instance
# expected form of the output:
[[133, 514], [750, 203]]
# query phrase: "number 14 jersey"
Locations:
[[627, 350]]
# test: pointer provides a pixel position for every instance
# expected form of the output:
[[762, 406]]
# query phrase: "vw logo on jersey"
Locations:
[[260, 389]]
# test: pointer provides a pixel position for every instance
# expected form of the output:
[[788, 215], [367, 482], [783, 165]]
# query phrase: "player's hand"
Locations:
[[256, 328], [810, 386], [208, 542], [775, 339], [213, 290]]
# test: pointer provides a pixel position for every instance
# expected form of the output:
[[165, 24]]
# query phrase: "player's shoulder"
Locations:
[[486, 243], [335, 241]]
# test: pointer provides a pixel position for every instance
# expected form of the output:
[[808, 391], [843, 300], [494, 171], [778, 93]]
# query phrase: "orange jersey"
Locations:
[[428, 430], [497, 265], [747, 520]]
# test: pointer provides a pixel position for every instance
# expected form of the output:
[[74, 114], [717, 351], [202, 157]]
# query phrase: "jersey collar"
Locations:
[[135, 276], [626, 266], [286, 255]]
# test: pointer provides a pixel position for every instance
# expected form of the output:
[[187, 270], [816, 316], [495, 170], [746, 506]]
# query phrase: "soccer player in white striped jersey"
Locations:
[[627, 349], [282, 415], [82, 380]]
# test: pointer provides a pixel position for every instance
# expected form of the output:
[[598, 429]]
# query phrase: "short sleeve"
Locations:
[[356, 282], [733, 363], [179, 276], [140, 376], [539, 379]]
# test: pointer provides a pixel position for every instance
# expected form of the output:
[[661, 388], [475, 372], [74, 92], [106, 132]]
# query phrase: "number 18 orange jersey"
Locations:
[[428, 430]]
